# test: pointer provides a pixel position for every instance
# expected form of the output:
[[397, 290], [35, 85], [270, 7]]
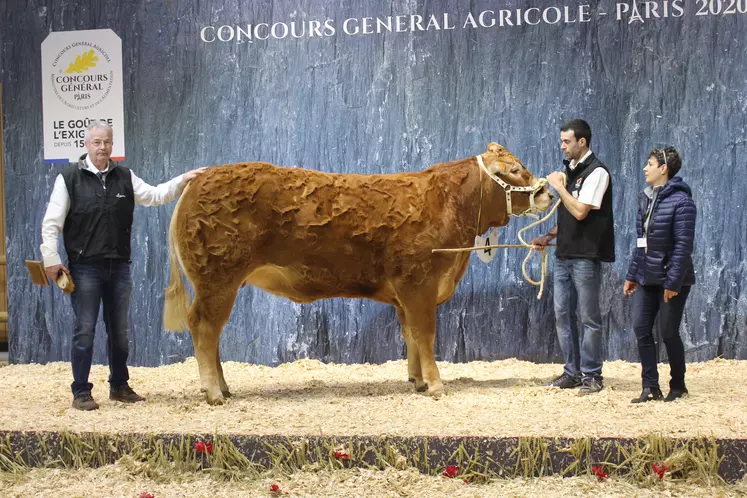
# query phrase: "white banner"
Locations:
[[81, 81]]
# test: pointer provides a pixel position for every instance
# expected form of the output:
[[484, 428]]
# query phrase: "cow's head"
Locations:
[[522, 191]]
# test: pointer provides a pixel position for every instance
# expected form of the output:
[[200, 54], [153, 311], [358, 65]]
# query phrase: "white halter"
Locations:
[[511, 188]]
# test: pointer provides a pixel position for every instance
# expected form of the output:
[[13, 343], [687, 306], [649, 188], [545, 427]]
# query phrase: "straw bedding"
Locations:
[[501, 398]]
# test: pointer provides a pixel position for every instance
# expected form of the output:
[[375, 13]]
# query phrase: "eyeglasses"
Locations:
[[99, 143]]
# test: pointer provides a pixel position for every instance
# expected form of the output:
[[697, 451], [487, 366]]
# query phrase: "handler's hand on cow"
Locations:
[[669, 294], [191, 175], [54, 271], [556, 179], [629, 287]]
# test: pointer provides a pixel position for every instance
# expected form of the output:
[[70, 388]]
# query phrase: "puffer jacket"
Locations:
[[667, 259]]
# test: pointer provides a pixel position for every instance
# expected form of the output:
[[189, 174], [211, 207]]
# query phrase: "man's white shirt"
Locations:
[[594, 186], [59, 205]]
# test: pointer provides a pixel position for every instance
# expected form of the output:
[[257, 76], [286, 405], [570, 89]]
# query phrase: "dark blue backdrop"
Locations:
[[392, 102]]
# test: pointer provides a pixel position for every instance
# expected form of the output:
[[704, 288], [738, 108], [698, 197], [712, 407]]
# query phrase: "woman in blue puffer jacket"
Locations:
[[661, 270]]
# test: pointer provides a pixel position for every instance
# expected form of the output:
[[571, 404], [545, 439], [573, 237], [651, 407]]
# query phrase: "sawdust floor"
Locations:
[[116, 481], [501, 398]]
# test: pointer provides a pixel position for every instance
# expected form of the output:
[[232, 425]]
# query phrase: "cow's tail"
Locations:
[[177, 298]]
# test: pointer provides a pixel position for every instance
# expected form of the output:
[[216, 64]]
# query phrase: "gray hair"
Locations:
[[98, 125]]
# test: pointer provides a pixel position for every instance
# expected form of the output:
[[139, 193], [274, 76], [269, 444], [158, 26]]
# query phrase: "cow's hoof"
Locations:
[[216, 401], [436, 392], [411, 379], [226, 394], [421, 386]]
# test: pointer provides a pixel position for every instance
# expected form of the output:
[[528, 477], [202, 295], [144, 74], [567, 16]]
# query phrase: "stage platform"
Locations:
[[497, 420]]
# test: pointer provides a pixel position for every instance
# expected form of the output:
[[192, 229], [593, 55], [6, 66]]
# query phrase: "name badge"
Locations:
[[642, 242]]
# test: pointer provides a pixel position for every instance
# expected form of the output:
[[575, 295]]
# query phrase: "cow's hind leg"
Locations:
[[414, 371], [207, 316], [420, 314], [221, 380]]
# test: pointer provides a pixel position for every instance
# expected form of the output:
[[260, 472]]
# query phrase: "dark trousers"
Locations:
[[648, 301], [109, 283]]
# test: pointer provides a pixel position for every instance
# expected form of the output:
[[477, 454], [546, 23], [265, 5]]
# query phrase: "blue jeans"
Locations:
[[108, 282], [648, 302], [576, 283]]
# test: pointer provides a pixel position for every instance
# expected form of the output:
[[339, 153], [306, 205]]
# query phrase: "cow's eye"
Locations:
[[515, 168]]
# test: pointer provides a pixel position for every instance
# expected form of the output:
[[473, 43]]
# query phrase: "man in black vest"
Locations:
[[92, 204], [585, 233]]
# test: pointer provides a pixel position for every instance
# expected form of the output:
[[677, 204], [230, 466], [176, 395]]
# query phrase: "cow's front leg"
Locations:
[[414, 372], [431, 375], [421, 324], [221, 380]]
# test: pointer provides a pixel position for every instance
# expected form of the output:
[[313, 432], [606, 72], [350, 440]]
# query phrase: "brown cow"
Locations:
[[309, 235]]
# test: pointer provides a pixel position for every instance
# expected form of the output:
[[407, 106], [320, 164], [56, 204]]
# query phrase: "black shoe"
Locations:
[[564, 381], [125, 395], [648, 394], [85, 402], [591, 385], [675, 393]]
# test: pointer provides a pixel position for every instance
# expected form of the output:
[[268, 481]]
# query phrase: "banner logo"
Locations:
[[82, 81], [86, 81]]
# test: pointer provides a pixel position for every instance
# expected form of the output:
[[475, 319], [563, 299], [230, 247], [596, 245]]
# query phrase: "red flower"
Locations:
[[341, 455], [274, 488], [599, 472], [145, 494], [660, 469], [451, 471], [201, 447]]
